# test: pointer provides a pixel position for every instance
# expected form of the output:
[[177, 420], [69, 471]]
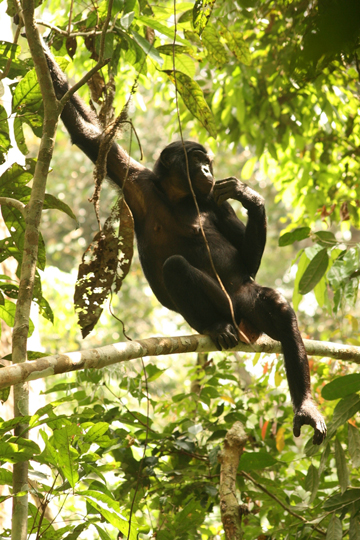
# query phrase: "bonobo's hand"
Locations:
[[229, 188], [308, 414], [232, 188], [223, 335]]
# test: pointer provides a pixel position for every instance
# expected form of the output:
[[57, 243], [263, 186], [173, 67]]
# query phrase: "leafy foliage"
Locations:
[[136, 452]]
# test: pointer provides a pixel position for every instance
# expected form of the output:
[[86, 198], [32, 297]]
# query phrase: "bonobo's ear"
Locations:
[[199, 155], [167, 158]]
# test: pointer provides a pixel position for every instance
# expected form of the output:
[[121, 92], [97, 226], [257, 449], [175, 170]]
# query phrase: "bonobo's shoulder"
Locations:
[[146, 176], [147, 180]]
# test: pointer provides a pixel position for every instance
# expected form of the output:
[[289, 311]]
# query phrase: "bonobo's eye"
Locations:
[[205, 168]]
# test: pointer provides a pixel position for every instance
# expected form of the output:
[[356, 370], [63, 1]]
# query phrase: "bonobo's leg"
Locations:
[[269, 312], [200, 301]]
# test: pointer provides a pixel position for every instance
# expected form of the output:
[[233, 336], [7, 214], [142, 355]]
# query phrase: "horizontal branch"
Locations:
[[65, 33], [124, 351]]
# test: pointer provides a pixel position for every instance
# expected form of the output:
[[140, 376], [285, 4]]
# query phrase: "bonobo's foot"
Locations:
[[248, 334], [308, 414], [223, 335]]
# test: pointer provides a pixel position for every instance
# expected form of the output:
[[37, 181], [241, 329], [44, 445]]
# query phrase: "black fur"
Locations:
[[174, 255]]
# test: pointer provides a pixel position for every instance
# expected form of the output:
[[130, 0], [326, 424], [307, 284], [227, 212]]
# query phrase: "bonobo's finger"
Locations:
[[222, 194], [296, 428], [310, 416], [320, 432]]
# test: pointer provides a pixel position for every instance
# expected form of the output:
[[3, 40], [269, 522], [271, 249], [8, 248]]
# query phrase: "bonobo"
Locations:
[[174, 255]]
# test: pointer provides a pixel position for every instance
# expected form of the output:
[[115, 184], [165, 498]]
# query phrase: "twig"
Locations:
[[287, 508], [64, 33], [70, 16]]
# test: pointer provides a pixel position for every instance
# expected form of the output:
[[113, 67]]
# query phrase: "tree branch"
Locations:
[[100, 63], [7, 201], [125, 351], [286, 508], [30, 254], [229, 457]]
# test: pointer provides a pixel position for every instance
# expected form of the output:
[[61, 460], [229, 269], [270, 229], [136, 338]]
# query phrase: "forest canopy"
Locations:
[[272, 88]]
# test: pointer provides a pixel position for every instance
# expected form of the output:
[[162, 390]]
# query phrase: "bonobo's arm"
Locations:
[[254, 236], [85, 131]]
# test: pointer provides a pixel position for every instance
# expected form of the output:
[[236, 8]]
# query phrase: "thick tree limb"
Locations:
[[122, 352], [30, 254], [229, 457]]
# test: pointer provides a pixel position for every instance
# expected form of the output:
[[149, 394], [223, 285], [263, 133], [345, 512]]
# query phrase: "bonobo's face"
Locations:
[[201, 173]]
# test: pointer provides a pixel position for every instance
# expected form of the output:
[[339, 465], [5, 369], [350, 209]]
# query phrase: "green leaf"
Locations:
[[6, 477], [4, 134], [326, 238], [201, 13], [312, 481], [252, 461], [314, 272], [14, 177], [17, 450], [214, 47], [168, 31], [341, 387], [7, 314], [103, 534], [354, 445], [236, 44], [96, 432], [338, 501], [183, 63], [147, 48], [334, 529], [27, 94], [153, 372], [170, 50], [194, 100], [11, 424], [110, 510], [15, 222], [342, 471], [354, 529], [52, 202], [344, 410], [67, 456], [19, 135], [294, 236], [248, 168]]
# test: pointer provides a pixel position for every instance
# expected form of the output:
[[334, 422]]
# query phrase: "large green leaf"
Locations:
[[341, 467], [27, 94], [344, 410], [294, 236], [314, 272], [4, 134], [53, 202], [334, 530], [252, 461], [341, 387], [354, 445], [336, 502], [194, 100], [215, 49], [67, 456]]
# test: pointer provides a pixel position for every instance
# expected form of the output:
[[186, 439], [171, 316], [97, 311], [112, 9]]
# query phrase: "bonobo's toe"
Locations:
[[223, 335], [308, 414]]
